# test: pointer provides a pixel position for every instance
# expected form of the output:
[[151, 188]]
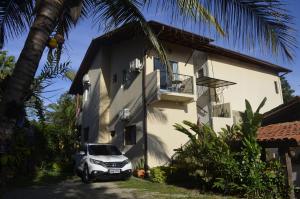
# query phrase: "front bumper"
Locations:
[[100, 172], [106, 175]]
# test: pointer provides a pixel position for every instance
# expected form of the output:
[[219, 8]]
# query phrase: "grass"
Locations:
[[41, 177], [147, 189]]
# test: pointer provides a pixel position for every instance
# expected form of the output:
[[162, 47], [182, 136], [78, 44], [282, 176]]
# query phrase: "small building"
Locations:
[[280, 137]]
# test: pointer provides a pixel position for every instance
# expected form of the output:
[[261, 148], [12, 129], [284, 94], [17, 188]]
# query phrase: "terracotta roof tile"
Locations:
[[280, 131]]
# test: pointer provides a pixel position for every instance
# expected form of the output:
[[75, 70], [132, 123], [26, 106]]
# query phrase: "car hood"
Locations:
[[109, 158]]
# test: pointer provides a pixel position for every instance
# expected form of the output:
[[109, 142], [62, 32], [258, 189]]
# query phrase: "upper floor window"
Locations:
[[222, 110], [276, 87], [158, 65]]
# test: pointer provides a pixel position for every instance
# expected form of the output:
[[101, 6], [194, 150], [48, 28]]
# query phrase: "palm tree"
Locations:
[[262, 22]]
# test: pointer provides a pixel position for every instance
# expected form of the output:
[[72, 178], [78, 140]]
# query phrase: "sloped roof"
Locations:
[[281, 132], [169, 34], [287, 112]]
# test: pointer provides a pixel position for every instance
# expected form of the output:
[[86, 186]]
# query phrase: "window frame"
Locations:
[[132, 137], [276, 87]]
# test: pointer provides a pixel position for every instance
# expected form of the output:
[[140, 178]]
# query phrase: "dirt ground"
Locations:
[[71, 189]]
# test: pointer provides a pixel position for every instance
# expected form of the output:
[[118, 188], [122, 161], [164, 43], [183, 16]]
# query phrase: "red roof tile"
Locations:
[[280, 132]]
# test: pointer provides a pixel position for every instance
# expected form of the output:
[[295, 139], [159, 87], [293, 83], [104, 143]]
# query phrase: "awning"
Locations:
[[212, 82]]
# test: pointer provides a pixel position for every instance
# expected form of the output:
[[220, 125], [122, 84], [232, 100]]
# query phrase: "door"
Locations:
[[163, 72]]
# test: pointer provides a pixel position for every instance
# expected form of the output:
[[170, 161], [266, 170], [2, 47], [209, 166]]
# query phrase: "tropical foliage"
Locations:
[[43, 146], [287, 91], [34, 97], [218, 163]]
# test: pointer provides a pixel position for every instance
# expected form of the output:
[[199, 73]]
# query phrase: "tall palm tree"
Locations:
[[263, 22]]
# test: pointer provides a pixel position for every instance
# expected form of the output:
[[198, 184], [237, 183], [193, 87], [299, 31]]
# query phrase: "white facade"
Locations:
[[251, 83], [115, 87]]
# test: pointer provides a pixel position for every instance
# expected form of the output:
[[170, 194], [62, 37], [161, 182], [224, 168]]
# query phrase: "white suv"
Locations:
[[102, 161]]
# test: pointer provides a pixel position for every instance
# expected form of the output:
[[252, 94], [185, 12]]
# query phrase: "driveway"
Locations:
[[71, 189]]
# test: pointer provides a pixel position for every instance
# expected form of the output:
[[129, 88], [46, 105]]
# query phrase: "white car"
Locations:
[[102, 161]]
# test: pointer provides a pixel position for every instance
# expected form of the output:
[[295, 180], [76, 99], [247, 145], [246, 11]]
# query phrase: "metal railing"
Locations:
[[178, 83]]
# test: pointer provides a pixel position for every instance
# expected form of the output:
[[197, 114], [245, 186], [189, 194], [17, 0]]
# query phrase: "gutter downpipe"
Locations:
[[145, 136]]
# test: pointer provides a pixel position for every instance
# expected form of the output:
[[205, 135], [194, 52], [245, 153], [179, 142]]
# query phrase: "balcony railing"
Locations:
[[178, 83]]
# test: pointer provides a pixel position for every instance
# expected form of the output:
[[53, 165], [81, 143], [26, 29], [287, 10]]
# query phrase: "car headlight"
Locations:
[[97, 162], [127, 161]]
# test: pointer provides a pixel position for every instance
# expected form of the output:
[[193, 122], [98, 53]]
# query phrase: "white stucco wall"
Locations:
[[252, 84], [162, 115]]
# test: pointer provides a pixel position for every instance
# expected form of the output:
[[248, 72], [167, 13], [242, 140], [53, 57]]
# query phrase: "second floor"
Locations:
[[111, 74]]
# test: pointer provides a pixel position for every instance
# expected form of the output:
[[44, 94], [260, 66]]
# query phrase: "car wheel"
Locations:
[[86, 176]]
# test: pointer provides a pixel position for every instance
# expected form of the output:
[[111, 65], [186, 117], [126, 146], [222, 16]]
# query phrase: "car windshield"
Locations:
[[104, 150]]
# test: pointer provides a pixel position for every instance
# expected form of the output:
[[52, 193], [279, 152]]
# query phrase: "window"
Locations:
[[271, 154], [201, 72], [163, 71], [113, 133], [125, 77], [222, 110], [276, 87], [130, 135], [86, 134], [103, 150], [115, 78]]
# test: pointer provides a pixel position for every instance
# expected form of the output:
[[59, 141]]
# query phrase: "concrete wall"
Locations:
[[126, 95], [162, 115], [91, 108], [251, 84]]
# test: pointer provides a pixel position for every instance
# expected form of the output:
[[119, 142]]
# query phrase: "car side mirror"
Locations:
[[81, 153]]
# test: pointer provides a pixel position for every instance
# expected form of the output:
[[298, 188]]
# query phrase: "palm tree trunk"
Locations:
[[28, 61]]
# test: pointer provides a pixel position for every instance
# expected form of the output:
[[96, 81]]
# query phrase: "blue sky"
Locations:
[[81, 36]]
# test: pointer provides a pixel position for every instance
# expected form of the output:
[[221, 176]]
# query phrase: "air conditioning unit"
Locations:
[[124, 114], [86, 79], [135, 65]]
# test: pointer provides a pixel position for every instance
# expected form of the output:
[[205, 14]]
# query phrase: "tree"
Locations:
[[34, 96], [287, 91], [256, 22], [7, 63], [61, 118]]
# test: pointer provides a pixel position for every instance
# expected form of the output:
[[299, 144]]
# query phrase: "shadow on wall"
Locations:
[[156, 149], [92, 107]]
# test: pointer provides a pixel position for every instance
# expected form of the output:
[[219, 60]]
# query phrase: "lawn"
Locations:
[[147, 189], [41, 177]]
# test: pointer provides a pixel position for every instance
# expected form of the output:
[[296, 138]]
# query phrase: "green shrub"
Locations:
[[139, 164], [216, 164], [159, 174]]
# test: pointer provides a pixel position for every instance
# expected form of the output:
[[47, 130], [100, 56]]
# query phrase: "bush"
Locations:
[[159, 174], [213, 161]]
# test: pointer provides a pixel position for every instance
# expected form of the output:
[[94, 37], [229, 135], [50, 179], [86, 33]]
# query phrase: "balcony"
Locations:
[[179, 88]]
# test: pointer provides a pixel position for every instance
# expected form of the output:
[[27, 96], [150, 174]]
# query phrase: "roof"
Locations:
[[165, 33], [281, 132], [287, 112]]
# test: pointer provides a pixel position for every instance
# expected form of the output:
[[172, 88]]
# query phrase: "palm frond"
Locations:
[[15, 17], [73, 12], [264, 23], [116, 13], [188, 11]]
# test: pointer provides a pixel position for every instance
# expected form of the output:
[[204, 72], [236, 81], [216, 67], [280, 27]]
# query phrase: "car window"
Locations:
[[103, 150]]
